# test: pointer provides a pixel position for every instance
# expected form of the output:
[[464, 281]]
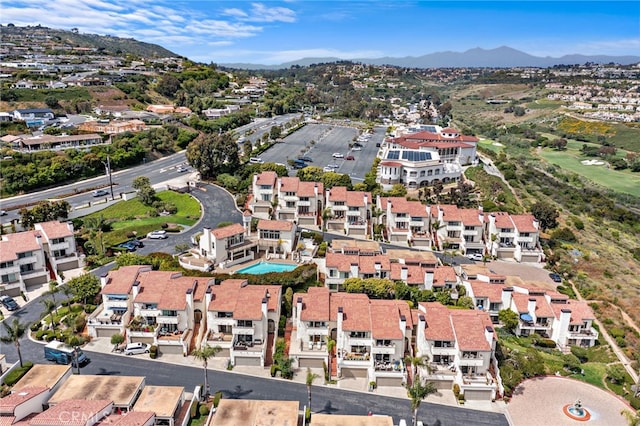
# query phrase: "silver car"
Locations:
[[137, 348]]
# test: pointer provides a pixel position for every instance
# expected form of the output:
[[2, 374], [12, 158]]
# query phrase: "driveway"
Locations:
[[540, 401]]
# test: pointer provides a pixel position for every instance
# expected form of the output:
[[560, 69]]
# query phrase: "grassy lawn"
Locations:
[[490, 145], [544, 104], [130, 216], [617, 180]]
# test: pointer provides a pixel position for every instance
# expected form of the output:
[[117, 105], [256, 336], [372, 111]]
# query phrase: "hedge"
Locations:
[[13, 377]]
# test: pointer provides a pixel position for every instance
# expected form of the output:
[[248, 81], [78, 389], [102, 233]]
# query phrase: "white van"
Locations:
[[256, 160], [137, 348]]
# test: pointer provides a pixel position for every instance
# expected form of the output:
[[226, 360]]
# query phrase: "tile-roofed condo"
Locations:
[[165, 289], [228, 231], [121, 280], [385, 319], [516, 236], [315, 304], [227, 246], [438, 323], [524, 222], [264, 192], [267, 178], [22, 259], [355, 308], [276, 236], [444, 277], [10, 404], [469, 327], [74, 412], [121, 390], [132, 418], [55, 229]]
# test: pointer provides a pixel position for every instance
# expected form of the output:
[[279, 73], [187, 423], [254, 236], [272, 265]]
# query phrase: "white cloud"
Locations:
[[261, 13]]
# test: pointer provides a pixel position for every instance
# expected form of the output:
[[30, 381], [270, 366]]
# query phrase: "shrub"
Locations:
[[546, 343], [456, 390], [89, 308], [194, 410], [216, 399], [40, 334], [153, 352], [35, 326], [203, 411], [15, 375], [635, 402], [274, 370], [79, 324]]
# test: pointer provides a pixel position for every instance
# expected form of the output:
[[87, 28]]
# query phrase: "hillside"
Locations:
[[55, 39]]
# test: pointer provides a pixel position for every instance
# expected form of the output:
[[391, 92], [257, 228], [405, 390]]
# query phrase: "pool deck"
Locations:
[[235, 268]]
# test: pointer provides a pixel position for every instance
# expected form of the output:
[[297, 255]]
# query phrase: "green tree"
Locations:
[[44, 212], [146, 193], [288, 301], [51, 101], [13, 334], [415, 362], [397, 190], [53, 290], [310, 174], [275, 132], [331, 179], [213, 154], [616, 374], [546, 214], [49, 307], [465, 302], [85, 287], [168, 85], [417, 392], [309, 381], [331, 345], [509, 319], [204, 354], [116, 340]]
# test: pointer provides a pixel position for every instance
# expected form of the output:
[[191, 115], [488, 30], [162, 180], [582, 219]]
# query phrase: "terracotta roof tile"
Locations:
[[438, 323], [22, 242], [493, 292], [132, 418], [167, 289], [55, 229], [75, 412], [503, 220], [342, 262], [443, 275], [267, 178], [543, 309], [470, 327], [315, 304], [289, 184], [358, 198], [580, 311], [308, 189], [385, 320], [338, 193], [121, 280], [242, 299], [451, 213], [470, 217], [524, 222], [9, 403], [275, 225], [227, 231], [415, 273]]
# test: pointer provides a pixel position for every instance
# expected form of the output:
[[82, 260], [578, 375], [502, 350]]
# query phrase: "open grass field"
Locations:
[[490, 145], [623, 181], [131, 216]]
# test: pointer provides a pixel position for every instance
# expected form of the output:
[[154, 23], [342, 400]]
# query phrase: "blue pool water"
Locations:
[[266, 267]]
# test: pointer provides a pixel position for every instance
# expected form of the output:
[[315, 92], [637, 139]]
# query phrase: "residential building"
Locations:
[[32, 116], [52, 143], [59, 245], [113, 127], [372, 336], [164, 402], [22, 262], [277, 237], [250, 412], [242, 320], [18, 405], [355, 247], [299, 201], [264, 194], [461, 347], [121, 391], [513, 237], [339, 267], [349, 211], [405, 221], [220, 112], [450, 144], [74, 412], [227, 246]]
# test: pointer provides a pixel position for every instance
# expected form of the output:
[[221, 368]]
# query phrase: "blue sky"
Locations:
[[272, 32]]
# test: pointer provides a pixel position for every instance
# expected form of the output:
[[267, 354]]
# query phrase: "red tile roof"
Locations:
[[132, 418], [580, 311], [443, 275], [315, 304], [450, 213], [470, 328], [543, 309], [242, 299], [55, 229], [436, 137], [121, 280], [72, 412], [167, 289], [470, 217], [308, 189], [503, 220], [524, 222], [385, 319], [415, 273], [9, 403], [438, 323], [20, 242], [267, 178], [493, 292], [227, 231], [275, 225], [338, 193]]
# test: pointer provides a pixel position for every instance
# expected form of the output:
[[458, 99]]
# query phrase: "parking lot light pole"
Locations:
[[107, 166]]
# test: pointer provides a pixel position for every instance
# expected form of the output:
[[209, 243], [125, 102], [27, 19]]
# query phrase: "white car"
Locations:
[[356, 148], [475, 256], [328, 169], [157, 235], [137, 348], [338, 155]]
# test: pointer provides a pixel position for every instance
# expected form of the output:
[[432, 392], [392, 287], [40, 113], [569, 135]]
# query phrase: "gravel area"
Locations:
[[529, 272], [539, 402]]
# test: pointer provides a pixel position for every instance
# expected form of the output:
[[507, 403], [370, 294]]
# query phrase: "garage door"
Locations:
[[311, 362], [357, 231], [246, 361], [353, 373], [443, 384], [223, 353], [477, 395], [171, 349], [106, 332], [389, 381], [505, 255], [529, 258]]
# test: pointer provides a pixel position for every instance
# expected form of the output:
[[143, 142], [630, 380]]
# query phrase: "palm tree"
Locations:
[[331, 344], [68, 293], [633, 419], [49, 308], [326, 215], [13, 334], [53, 289], [417, 392], [310, 378], [415, 362], [204, 354], [435, 226]]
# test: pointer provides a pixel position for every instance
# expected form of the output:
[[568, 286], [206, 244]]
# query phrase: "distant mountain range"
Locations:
[[501, 57]]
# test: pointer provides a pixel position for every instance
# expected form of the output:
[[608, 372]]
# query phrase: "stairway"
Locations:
[[268, 361], [193, 344]]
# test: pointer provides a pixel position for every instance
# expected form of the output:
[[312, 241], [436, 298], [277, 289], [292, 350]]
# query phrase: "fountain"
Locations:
[[576, 411]]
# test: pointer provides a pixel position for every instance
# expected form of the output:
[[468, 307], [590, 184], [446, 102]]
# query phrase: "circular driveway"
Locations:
[[539, 402]]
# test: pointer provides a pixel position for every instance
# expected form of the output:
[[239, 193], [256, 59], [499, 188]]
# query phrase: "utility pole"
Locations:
[[107, 166]]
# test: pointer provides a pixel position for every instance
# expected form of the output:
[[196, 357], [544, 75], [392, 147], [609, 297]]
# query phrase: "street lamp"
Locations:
[[107, 167], [75, 352]]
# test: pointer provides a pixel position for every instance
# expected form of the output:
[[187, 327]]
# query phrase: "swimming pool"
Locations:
[[265, 267]]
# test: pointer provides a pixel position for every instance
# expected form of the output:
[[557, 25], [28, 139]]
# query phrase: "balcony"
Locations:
[[471, 360], [254, 346], [396, 366], [304, 203], [583, 333], [243, 330], [164, 319], [317, 346], [384, 349], [60, 246]]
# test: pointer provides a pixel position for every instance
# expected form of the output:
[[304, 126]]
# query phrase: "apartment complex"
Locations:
[[227, 246], [32, 258], [349, 211]]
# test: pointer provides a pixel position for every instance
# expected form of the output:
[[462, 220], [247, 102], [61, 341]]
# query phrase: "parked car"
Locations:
[[306, 158], [475, 256], [100, 193], [137, 348], [328, 169], [3, 212], [129, 245], [333, 166], [181, 169], [555, 277], [349, 157], [358, 145], [356, 148], [337, 155], [157, 235], [9, 303], [256, 160]]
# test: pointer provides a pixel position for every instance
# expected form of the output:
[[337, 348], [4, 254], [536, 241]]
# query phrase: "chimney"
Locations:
[[536, 224], [488, 334], [420, 337], [297, 312], [404, 273], [366, 200], [205, 242], [189, 297], [339, 323], [428, 279], [315, 189], [135, 289], [355, 270], [265, 307], [246, 223], [507, 293], [39, 240], [531, 308], [104, 280], [207, 297], [403, 324]]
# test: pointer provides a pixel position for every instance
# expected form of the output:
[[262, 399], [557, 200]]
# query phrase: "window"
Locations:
[[469, 228], [317, 324], [245, 323], [148, 305], [437, 171], [289, 194], [429, 172], [413, 174], [291, 204], [383, 342], [359, 350], [59, 253], [167, 313], [25, 254], [401, 225], [8, 278], [266, 197], [225, 329], [26, 268], [6, 264], [358, 334], [269, 235], [505, 230], [304, 198], [354, 209], [338, 203], [422, 173], [150, 320], [265, 187], [57, 240], [225, 314], [442, 344], [525, 234], [332, 273]]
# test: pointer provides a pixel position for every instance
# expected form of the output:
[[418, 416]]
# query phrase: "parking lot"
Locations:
[[328, 139]]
